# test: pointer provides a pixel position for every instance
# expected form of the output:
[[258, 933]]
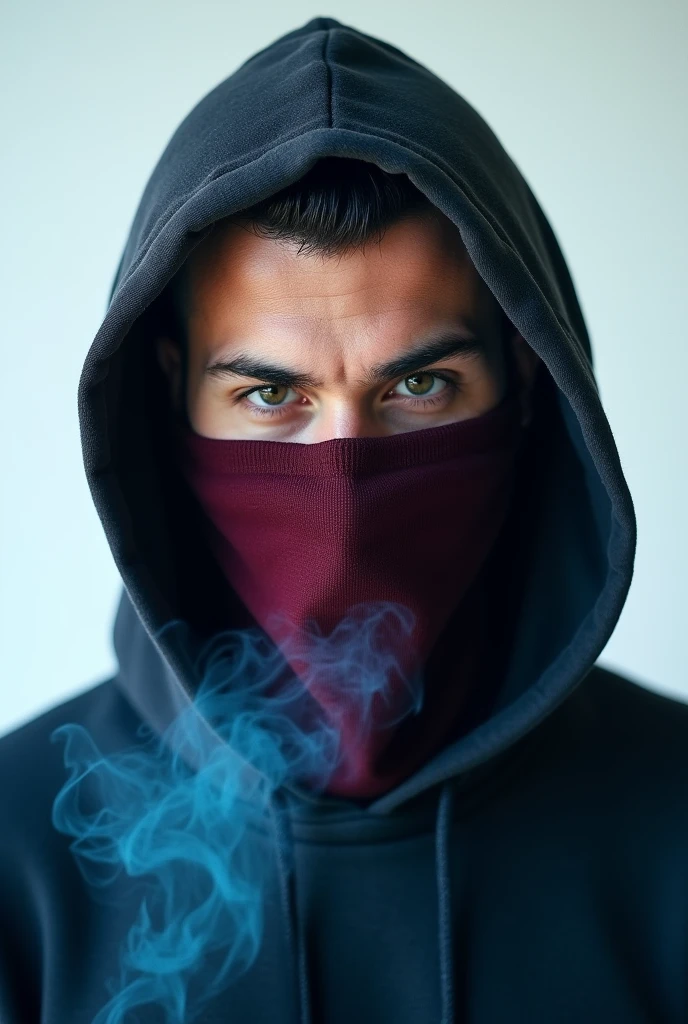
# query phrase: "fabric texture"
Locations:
[[312, 536], [534, 868]]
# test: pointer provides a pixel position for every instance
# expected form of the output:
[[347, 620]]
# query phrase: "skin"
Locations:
[[337, 318]]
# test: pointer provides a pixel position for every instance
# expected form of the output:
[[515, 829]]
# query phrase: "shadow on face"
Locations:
[[289, 346]]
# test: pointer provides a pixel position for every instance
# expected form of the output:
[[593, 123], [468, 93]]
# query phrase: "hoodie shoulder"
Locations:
[[620, 741], [633, 709], [40, 882], [32, 764], [27, 753]]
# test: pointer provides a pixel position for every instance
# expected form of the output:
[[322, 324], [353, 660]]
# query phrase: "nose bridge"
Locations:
[[345, 407], [345, 416]]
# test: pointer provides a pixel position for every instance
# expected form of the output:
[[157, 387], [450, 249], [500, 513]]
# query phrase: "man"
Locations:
[[358, 761]]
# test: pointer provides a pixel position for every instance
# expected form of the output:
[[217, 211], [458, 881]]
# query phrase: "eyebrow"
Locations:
[[446, 345]]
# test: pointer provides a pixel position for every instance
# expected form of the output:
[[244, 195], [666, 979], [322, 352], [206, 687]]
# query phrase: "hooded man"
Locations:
[[358, 761]]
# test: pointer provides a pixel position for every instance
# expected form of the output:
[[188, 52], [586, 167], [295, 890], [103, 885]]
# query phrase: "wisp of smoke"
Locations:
[[181, 815]]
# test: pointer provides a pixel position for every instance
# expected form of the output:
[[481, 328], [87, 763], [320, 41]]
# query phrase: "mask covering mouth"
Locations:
[[309, 535]]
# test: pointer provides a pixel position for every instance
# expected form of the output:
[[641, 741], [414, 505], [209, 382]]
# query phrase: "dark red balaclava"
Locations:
[[374, 542]]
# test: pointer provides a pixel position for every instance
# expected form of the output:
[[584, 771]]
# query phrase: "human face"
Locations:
[[284, 346]]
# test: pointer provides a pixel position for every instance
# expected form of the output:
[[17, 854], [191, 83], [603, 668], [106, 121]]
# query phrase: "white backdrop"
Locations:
[[589, 99]]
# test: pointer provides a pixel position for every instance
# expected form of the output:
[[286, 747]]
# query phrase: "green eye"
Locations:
[[271, 394], [422, 384]]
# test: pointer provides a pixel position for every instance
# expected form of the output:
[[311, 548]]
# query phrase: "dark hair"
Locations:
[[338, 206]]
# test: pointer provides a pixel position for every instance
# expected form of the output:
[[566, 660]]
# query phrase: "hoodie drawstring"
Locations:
[[295, 934], [296, 946], [444, 903]]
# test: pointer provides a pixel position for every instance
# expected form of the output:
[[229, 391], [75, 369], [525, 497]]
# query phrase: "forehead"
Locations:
[[244, 287], [415, 254]]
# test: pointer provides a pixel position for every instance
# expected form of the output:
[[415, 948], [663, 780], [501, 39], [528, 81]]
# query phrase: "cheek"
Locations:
[[203, 401], [486, 384], [484, 397], [213, 413], [498, 369], [207, 412]]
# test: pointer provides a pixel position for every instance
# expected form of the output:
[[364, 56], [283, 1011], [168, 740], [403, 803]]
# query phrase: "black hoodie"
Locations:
[[535, 870]]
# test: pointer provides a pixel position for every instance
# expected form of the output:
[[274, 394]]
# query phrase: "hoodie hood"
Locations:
[[327, 89]]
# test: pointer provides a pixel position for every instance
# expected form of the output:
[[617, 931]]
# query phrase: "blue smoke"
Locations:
[[181, 813]]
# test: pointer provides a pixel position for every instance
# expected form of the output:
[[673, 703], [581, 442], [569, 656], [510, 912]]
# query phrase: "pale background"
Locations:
[[589, 99]]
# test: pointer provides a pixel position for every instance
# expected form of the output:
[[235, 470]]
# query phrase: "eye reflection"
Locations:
[[426, 387], [420, 385], [270, 394]]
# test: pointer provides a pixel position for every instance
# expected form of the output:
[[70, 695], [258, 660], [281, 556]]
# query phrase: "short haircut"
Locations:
[[338, 206]]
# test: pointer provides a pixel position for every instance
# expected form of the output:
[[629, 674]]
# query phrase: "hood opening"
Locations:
[[326, 89], [576, 517], [161, 533]]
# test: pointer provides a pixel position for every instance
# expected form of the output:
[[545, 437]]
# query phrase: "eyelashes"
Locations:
[[417, 402]]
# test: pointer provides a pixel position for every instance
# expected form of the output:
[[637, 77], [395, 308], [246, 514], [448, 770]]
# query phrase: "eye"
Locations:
[[422, 385], [420, 390], [267, 395]]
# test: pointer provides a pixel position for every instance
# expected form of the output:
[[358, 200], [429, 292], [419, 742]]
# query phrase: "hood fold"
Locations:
[[328, 89]]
